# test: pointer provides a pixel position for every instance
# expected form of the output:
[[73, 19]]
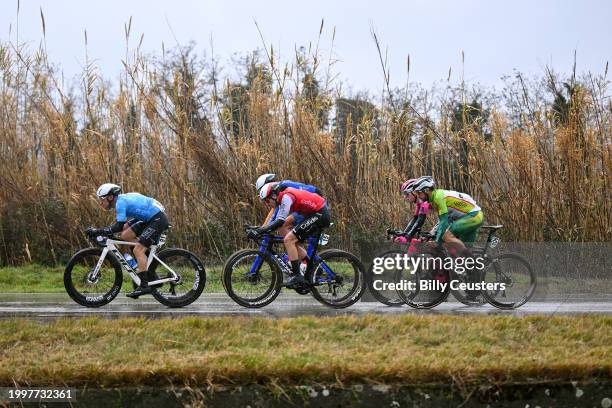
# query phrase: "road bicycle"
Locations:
[[508, 278], [378, 284], [253, 278], [93, 276]]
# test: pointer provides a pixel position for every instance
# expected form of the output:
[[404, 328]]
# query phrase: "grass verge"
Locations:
[[47, 279], [402, 349], [36, 278]]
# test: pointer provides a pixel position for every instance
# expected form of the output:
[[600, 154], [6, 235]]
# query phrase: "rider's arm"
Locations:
[[440, 204], [111, 229], [409, 225], [281, 215], [416, 225], [115, 227], [442, 226], [420, 215], [121, 208]]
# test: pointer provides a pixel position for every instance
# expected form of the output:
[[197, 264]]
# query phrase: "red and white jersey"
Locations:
[[299, 201]]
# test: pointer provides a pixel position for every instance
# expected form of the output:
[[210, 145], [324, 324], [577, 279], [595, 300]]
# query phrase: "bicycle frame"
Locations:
[[265, 248], [110, 247]]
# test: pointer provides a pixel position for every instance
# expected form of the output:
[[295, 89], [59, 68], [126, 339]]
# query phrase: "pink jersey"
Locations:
[[422, 208]]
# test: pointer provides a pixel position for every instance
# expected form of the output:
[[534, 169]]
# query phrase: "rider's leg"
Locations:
[[463, 231], [131, 230], [287, 226], [454, 245], [291, 245], [140, 255], [151, 233], [128, 234], [290, 222], [301, 251], [303, 230]]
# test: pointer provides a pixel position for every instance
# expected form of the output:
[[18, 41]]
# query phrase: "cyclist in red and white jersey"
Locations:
[[291, 200]]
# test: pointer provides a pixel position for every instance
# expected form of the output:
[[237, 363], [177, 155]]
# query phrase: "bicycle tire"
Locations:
[[76, 294], [270, 293], [462, 298], [230, 259], [354, 293], [424, 275], [170, 299], [379, 295], [497, 266]]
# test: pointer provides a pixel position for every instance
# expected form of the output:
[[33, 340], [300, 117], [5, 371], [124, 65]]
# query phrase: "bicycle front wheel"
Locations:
[[251, 279], [382, 284], [85, 286], [337, 279], [513, 280]]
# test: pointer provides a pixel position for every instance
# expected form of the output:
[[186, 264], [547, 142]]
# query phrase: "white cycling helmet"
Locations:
[[267, 190], [108, 188], [422, 183], [263, 179]]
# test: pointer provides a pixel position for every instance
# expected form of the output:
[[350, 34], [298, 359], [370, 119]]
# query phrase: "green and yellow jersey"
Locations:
[[452, 206], [452, 202]]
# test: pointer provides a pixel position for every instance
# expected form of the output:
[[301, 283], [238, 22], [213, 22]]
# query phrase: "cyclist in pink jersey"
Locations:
[[420, 213]]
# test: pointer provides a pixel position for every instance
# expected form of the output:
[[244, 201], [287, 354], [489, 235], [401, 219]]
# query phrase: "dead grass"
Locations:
[[407, 349]]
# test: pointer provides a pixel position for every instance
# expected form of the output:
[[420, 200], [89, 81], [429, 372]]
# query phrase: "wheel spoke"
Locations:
[[518, 279]]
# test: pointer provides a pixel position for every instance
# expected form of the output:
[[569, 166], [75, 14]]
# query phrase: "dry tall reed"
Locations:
[[164, 130]]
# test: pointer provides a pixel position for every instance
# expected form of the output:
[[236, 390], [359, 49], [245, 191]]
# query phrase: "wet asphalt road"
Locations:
[[51, 306]]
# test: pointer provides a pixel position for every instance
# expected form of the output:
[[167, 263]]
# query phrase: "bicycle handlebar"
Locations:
[[424, 235], [94, 238]]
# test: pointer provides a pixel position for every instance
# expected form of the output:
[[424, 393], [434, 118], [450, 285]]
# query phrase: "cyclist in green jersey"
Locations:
[[459, 215]]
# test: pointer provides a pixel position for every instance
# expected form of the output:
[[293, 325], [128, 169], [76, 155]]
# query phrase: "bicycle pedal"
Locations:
[[302, 291], [139, 292]]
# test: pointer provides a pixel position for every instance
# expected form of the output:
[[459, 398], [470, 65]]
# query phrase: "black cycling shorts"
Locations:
[[313, 224], [149, 232]]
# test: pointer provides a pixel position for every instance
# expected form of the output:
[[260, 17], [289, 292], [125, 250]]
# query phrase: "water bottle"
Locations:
[[303, 267], [285, 258], [130, 260]]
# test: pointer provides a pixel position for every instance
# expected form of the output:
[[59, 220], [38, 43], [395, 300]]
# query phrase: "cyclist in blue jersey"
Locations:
[[294, 218], [140, 219]]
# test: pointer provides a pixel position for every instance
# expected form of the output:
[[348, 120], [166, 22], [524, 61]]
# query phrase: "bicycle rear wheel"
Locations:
[[428, 285], [87, 289], [337, 279], [251, 279], [515, 273], [191, 277]]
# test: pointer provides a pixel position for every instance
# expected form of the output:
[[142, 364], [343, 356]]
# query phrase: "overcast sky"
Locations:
[[496, 36]]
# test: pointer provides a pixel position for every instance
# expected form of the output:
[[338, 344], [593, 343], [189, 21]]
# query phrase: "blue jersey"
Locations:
[[136, 205], [300, 186]]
